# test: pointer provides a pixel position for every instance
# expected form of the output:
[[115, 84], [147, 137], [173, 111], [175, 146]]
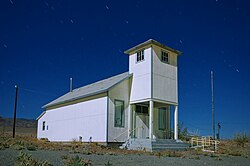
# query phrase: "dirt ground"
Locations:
[[9, 156]]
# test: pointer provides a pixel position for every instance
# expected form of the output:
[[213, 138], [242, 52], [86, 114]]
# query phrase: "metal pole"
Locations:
[[71, 85], [15, 107], [212, 88]]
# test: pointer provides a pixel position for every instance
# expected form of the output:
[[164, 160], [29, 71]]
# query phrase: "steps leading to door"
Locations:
[[154, 144]]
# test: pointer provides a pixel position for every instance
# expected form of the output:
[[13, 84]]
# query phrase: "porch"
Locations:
[[152, 120], [149, 124]]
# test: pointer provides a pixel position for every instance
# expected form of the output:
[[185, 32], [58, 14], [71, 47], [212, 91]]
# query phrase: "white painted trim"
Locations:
[[155, 100], [129, 120], [176, 123], [40, 115], [151, 113]]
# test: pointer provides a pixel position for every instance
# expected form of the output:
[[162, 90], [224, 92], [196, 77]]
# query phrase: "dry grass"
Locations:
[[21, 131], [233, 149], [31, 143], [24, 159], [76, 160], [226, 148]]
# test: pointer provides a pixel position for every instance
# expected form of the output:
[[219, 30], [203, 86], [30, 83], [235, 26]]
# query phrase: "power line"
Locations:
[[37, 92]]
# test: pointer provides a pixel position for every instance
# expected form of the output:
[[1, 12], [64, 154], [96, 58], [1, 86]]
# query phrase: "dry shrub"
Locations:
[[24, 159], [241, 139], [76, 161], [171, 154]]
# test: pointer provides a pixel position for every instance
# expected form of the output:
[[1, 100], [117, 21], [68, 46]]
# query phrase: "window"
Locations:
[[141, 109], [162, 118], [164, 57], [43, 126], [140, 56], [119, 113]]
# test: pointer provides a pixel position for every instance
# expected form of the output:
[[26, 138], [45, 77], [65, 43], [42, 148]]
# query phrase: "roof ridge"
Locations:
[[90, 89]]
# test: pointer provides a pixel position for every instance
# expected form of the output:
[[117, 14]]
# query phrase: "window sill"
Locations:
[[119, 126], [139, 61]]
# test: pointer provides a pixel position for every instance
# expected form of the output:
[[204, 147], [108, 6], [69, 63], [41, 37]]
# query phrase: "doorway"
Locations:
[[141, 121]]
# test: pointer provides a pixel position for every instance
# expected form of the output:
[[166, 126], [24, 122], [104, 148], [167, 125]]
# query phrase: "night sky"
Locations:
[[43, 43]]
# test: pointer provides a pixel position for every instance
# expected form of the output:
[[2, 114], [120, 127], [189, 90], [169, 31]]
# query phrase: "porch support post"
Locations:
[[176, 123], [168, 123], [151, 113], [134, 121], [129, 120]]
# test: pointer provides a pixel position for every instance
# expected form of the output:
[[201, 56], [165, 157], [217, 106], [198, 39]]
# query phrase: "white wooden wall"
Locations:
[[86, 119], [141, 82], [164, 77], [119, 92]]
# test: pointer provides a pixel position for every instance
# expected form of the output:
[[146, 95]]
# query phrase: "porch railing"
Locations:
[[130, 132], [206, 143]]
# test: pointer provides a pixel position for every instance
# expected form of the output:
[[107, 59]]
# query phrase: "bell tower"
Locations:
[[154, 69], [155, 85]]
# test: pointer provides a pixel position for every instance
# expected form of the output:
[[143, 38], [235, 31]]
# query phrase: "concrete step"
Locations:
[[166, 141], [154, 145], [169, 145]]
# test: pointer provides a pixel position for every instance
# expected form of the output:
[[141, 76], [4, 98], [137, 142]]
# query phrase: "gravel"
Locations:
[[8, 157]]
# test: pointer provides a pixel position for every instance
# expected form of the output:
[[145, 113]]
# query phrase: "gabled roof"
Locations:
[[89, 90], [149, 42]]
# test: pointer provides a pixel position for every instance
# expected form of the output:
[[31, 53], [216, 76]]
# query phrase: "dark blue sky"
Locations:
[[43, 43]]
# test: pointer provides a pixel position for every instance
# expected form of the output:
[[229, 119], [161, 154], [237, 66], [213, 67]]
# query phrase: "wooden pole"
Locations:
[[15, 107]]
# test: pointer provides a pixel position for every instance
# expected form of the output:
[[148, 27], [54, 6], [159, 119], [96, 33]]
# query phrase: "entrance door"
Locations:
[[142, 122], [142, 126]]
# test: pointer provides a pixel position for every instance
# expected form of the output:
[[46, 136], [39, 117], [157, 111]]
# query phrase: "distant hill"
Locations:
[[23, 126], [20, 122]]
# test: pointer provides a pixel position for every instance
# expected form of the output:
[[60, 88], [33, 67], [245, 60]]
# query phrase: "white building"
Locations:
[[135, 104]]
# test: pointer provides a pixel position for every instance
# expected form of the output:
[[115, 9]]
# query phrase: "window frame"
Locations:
[[122, 124], [43, 126], [140, 56], [139, 109], [164, 56], [164, 127]]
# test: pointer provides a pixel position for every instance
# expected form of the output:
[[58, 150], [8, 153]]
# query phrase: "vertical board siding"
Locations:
[[141, 82], [164, 76], [119, 92], [86, 119]]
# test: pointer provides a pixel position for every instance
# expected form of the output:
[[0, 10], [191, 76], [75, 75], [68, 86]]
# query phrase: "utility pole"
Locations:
[[15, 107], [219, 126], [212, 88]]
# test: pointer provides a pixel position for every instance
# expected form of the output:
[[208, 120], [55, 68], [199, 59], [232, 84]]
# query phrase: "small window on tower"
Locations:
[[164, 57], [140, 56]]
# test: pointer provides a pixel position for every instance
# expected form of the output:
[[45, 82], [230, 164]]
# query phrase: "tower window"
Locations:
[[140, 56], [164, 57]]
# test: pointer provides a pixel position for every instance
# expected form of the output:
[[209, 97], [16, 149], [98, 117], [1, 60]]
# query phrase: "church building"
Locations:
[[141, 104]]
